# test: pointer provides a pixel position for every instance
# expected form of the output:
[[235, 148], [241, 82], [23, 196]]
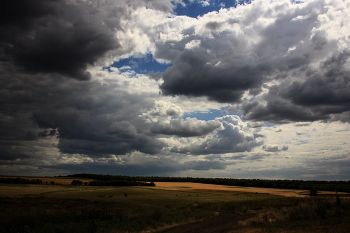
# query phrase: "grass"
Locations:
[[66, 208], [42, 214], [300, 215]]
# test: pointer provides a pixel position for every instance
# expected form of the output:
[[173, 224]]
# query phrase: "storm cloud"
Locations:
[[56, 36], [75, 96], [284, 52]]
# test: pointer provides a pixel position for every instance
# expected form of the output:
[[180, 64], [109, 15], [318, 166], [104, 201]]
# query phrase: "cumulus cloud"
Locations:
[[162, 121], [163, 110], [231, 137]]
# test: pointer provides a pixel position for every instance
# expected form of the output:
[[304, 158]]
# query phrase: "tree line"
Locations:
[[119, 183], [19, 180], [118, 180], [112, 183], [321, 185]]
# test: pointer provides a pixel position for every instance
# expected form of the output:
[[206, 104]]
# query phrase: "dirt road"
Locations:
[[221, 223]]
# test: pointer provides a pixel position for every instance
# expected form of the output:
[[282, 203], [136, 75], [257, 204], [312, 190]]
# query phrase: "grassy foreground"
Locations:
[[67, 208]]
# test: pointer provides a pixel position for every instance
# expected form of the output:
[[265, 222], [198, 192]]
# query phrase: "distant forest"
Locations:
[[20, 181], [341, 186], [96, 182]]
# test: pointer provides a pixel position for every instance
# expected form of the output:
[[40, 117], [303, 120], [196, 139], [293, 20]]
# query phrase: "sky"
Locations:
[[202, 88]]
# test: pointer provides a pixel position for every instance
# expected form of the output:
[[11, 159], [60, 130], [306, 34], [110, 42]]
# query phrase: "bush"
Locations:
[[313, 192], [77, 182]]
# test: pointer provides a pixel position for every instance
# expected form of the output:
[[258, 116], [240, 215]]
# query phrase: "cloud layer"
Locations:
[[276, 74], [294, 56]]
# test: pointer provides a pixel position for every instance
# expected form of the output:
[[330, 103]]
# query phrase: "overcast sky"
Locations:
[[201, 88]]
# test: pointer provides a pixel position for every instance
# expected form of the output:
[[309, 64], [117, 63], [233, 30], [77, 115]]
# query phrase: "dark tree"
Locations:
[[77, 182], [313, 192]]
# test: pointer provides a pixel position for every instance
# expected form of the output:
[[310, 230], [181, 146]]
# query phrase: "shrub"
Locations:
[[313, 192], [77, 182]]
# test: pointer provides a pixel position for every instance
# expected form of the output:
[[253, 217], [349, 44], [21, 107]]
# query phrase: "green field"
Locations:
[[67, 208]]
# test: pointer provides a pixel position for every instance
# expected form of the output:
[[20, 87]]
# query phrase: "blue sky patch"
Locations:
[[211, 114], [143, 64], [201, 7]]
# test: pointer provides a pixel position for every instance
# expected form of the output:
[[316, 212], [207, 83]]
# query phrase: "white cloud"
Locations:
[[232, 136]]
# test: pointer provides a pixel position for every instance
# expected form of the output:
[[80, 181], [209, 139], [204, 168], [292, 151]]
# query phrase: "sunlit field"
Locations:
[[223, 189], [70, 208]]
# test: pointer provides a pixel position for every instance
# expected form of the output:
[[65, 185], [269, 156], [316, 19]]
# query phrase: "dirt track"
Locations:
[[221, 223]]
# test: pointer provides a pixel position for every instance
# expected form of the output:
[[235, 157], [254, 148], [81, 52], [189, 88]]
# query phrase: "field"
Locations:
[[222, 189], [167, 207]]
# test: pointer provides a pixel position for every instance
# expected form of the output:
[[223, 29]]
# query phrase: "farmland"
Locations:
[[167, 207]]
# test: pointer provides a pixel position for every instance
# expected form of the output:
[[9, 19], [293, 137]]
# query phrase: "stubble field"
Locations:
[[167, 207]]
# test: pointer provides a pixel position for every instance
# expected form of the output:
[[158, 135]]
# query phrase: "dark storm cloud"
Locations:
[[329, 88], [227, 63], [98, 126], [56, 37], [278, 111], [224, 65], [192, 76], [47, 133], [44, 42], [323, 93], [87, 117], [12, 151]]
